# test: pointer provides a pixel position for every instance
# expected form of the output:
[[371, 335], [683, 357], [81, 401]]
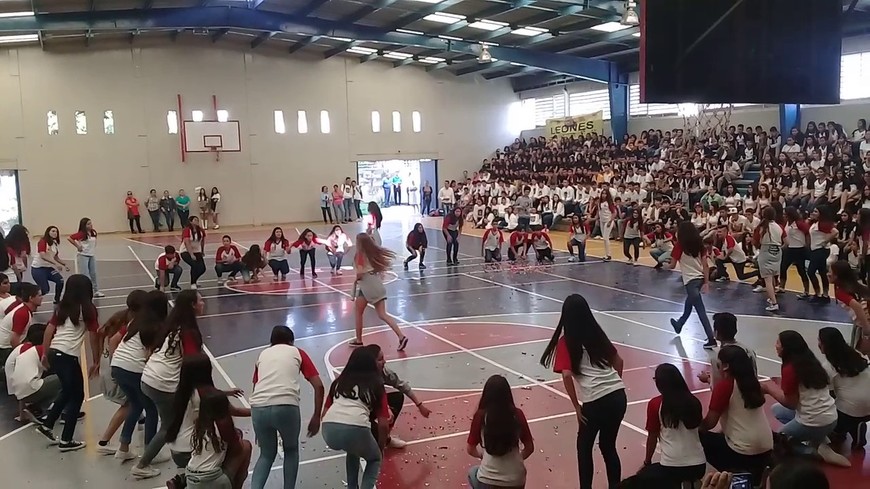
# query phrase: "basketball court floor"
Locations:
[[464, 324]]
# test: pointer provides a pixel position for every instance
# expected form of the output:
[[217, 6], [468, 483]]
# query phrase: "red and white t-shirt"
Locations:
[[664, 242], [24, 370], [820, 234], [227, 254], [593, 382], [276, 250], [816, 407], [797, 234], [130, 354], [166, 262], [69, 337], [746, 431], [5, 303], [88, 243], [518, 239], [691, 267], [195, 244], [277, 374], [506, 470], [733, 250], [680, 446], [541, 240], [853, 393], [163, 368], [306, 245], [355, 412], [493, 239], [43, 247], [17, 319]]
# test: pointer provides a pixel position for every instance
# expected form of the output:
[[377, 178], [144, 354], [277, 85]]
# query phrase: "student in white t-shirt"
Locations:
[[47, 264], [591, 371], [577, 239], [691, 255], [275, 404], [497, 431], [337, 244], [850, 377], [24, 376], [672, 421], [356, 397]]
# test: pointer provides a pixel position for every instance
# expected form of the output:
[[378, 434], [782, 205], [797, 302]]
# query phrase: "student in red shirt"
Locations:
[[490, 246], [416, 243], [18, 247], [132, 204], [227, 259], [168, 264], [497, 431], [17, 318], [451, 227], [306, 244], [192, 247], [543, 246], [853, 295], [518, 245], [795, 251], [85, 241]]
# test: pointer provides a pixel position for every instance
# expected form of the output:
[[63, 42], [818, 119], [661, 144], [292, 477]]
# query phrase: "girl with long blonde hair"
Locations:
[[369, 264]]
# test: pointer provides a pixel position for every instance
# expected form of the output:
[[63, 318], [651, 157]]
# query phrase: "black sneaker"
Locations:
[[71, 446], [710, 344], [449, 263], [678, 328], [175, 289], [804, 297], [48, 433], [405, 266], [421, 266], [455, 263], [824, 300], [814, 299], [658, 266]]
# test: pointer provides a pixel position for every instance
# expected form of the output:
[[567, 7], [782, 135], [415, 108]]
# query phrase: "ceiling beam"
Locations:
[[371, 57], [621, 52], [418, 15], [311, 7], [339, 49], [255, 4], [486, 13], [219, 34], [482, 67], [605, 39], [515, 71], [262, 38], [363, 12], [304, 42], [311, 27]]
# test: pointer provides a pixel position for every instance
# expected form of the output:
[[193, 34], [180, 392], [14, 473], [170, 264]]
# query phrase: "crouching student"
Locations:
[[416, 243], [253, 263], [518, 245], [168, 264], [227, 259], [24, 376], [577, 239], [490, 246], [540, 241]]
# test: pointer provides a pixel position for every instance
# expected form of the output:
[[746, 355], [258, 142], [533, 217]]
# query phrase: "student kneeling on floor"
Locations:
[[395, 400], [24, 376]]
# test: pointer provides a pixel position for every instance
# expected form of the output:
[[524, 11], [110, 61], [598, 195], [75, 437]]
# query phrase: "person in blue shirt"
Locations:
[[397, 189], [386, 185]]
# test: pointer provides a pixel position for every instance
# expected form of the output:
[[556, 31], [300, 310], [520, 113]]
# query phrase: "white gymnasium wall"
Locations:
[[276, 177]]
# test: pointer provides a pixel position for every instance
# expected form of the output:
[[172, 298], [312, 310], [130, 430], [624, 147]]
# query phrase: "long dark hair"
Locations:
[[375, 210], [679, 405], [4, 255], [846, 279], [807, 368], [360, 379], [213, 407], [501, 428], [845, 359], [689, 239], [17, 239], [195, 374], [768, 215], [77, 303], [736, 363], [148, 320], [582, 334], [135, 301], [47, 236], [274, 239], [195, 228], [83, 228], [182, 319]]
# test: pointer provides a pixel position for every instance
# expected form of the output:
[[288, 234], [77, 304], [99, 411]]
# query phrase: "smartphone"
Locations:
[[741, 481]]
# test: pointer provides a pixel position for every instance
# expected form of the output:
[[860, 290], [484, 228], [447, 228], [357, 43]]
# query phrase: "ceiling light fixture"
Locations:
[[636, 34], [629, 16], [361, 50], [487, 25], [430, 60], [408, 31], [397, 55], [484, 56], [19, 38], [610, 27], [444, 18], [450, 38], [529, 31], [6, 15]]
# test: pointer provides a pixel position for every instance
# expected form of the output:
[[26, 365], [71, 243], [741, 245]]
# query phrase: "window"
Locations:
[[637, 109], [376, 121], [397, 121], [549, 107], [521, 115], [223, 116], [854, 72], [81, 122], [324, 122], [172, 122], [51, 119], [108, 122], [197, 115], [589, 102], [301, 122], [416, 121], [279, 122]]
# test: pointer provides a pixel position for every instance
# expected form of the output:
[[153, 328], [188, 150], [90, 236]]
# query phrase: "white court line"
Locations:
[[217, 365], [31, 425]]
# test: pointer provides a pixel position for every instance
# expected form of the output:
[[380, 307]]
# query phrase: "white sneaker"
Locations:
[[217, 226], [146, 472], [192, 286], [162, 457], [758, 289], [772, 308], [107, 449], [125, 456], [221, 281], [572, 259], [397, 442], [99, 294]]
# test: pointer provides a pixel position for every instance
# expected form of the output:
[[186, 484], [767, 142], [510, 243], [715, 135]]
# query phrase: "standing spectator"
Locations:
[[357, 199], [152, 204], [387, 190], [85, 241], [414, 196], [47, 265], [397, 189], [132, 204], [426, 200], [214, 200], [347, 199], [446, 197], [325, 204], [204, 204], [523, 207], [168, 206], [338, 204], [182, 206]]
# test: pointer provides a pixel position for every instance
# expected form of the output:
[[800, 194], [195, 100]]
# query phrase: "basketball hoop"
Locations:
[[706, 121], [216, 151]]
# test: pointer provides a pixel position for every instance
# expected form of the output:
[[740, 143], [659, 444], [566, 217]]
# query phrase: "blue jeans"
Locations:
[[387, 192], [88, 266], [660, 255], [358, 442], [268, 422], [348, 205], [43, 275], [811, 435], [131, 384], [232, 268], [474, 482], [175, 272], [696, 301]]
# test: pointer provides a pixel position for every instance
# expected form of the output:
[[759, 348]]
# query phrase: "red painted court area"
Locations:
[[436, 457], [296, 285]]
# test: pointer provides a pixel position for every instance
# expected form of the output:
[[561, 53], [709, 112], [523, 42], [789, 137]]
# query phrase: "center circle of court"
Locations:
[[296, 285], [445, 356]]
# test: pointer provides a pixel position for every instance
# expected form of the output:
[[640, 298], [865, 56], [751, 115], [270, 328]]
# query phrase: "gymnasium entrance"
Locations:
[[396, 182], [10, 202]]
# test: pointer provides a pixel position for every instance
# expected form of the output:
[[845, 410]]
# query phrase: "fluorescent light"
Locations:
[[397, 55], [516, 64], [19, 38], [342, 39], [451, 38], [430, 60], [444, 18], [636, 34], [610, 27], [529, 31], [4, 15], [487, 25], [426, 1], [361, 50], [408, 31], [487, 43]]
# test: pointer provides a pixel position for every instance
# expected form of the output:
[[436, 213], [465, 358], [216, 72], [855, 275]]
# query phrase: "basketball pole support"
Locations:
[[617, 89], [180, 117], [789, 116]]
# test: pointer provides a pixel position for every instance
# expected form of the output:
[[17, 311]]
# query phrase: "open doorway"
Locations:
[[395, 182], [10, 203]]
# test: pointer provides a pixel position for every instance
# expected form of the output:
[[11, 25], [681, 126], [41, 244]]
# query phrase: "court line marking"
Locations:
[[215, 363], [31, 425]]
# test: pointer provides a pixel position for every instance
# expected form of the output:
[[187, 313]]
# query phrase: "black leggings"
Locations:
[[819, 265], [303, 257], [72, 392], [739, 269], [662, 477], [414, 254], [135, 220], [197, 265], [279, 267], [453, 245], [544, 254], [327, 212], [628, 244], [723, 458], [603, 417], [796, 257]]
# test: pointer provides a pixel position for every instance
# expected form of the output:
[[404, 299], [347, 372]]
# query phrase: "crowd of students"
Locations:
[[169, 207]]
